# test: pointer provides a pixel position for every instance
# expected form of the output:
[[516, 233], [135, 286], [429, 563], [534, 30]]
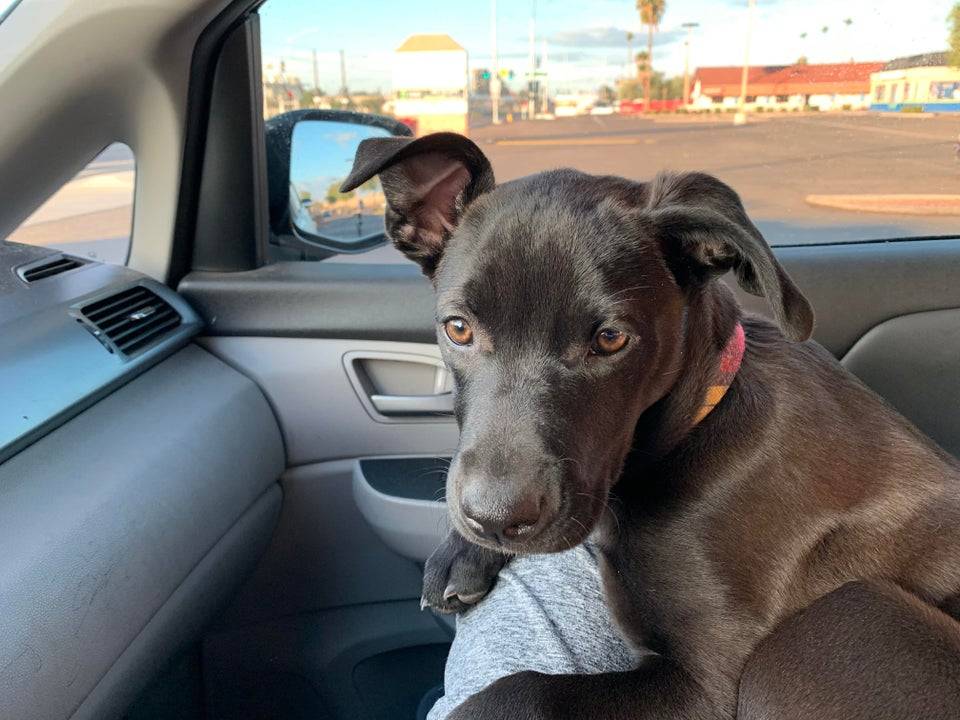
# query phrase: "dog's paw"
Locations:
[[459, 574]]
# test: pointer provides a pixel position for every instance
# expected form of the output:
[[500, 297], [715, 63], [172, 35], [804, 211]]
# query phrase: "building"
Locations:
[[831, 86], [720, 86], [430, 82], [921, 83], [281, 92]]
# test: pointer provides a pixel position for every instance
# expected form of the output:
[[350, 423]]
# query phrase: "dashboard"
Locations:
[[138, 483]]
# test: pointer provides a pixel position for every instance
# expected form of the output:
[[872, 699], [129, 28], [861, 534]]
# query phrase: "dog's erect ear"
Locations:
[[705, 232], [428, 183]]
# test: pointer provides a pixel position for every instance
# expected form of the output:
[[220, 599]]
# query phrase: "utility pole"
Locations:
[[531, 83], [688, 26], [495, 69], [545, 107], [316, 74], [343, 75], [746, 58]]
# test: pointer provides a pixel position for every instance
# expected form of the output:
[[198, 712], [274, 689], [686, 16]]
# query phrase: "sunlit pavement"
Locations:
[[775, 161], [89, 216]]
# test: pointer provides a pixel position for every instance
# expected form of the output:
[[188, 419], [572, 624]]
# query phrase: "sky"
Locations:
[[586, 41]]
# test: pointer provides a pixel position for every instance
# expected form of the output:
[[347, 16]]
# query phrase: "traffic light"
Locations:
[[485, 75]]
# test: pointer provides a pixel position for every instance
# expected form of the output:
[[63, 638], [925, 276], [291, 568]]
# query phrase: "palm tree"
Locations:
[[643, 64], [848, 22], [651, 13], [629, 49]]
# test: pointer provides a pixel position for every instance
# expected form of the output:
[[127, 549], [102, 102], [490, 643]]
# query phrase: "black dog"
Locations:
[[584, 323]]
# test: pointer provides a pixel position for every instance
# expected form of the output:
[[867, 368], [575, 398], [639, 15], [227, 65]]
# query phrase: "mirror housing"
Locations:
[[309, 153]]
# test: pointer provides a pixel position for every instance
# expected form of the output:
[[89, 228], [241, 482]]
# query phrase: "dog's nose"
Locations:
[[512, 519]]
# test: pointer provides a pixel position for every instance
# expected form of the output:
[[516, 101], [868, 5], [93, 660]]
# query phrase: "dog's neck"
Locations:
[[730, 359], [713, 347]]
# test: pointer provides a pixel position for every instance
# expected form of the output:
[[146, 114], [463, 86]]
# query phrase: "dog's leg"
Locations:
[[658, 689], [458, 574], [864, 651]]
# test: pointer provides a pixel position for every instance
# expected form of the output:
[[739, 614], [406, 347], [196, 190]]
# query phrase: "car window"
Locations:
[[831, 127], [6, 7], [91, 215]]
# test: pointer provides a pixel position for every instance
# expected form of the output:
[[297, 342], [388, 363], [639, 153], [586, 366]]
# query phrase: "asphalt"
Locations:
[[805, 178], [774, 161]]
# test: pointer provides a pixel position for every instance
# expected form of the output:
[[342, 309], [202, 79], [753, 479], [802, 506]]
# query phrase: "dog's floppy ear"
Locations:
[[428, 182], [705, 232]]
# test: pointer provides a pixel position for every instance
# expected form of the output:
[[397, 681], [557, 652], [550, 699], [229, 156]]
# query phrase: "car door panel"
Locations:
[[321, 412]]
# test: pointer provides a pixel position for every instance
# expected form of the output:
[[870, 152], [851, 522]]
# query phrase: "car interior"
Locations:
[[222, 461]]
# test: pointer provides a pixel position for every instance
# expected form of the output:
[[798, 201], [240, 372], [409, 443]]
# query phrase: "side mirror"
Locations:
[[309, 153]]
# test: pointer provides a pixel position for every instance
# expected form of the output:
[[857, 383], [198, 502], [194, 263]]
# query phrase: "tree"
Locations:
[[651, 13], [660, 87], [606, 94], [308, 97], [802, 60], [334, 194], [953, 21], [643, 65], [629, 48]]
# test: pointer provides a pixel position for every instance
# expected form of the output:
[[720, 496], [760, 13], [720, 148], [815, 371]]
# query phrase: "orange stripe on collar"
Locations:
[[730, 360]]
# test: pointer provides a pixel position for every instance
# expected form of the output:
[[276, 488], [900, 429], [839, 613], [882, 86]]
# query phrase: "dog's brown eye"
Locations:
[[459, 332], [608, 341]]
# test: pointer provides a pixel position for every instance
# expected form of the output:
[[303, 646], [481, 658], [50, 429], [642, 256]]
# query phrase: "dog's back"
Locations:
[[803, 479]]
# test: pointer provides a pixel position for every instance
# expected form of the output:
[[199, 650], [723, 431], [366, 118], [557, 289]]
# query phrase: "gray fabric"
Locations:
[[545, 613]]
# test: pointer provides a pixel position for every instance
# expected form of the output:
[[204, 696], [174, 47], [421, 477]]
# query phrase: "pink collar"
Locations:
[[730, 360]]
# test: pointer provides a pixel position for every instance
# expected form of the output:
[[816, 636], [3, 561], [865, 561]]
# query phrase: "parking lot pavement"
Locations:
[[774, 161]]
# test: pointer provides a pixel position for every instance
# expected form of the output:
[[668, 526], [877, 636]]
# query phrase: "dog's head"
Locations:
[[562, 303]]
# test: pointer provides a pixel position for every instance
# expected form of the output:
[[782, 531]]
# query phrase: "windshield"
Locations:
[[834, 121]]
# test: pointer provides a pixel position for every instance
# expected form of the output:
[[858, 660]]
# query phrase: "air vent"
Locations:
[[131, 320], [49, 267]]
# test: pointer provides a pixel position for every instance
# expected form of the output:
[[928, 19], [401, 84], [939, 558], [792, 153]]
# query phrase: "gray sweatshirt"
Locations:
[[545, 613]]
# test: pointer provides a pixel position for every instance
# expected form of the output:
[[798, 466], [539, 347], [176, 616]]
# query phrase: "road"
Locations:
[[773, 161]]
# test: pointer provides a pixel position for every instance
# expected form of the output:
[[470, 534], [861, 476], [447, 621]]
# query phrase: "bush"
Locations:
[[911, 108], [847, 106]]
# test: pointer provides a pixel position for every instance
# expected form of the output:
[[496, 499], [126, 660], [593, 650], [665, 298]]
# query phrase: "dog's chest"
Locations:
[[658, 587]]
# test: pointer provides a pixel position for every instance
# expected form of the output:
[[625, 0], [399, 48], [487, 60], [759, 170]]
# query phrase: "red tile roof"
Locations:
[[725, 81], [840, 78]]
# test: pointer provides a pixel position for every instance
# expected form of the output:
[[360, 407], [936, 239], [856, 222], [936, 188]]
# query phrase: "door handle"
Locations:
[[393, 405]]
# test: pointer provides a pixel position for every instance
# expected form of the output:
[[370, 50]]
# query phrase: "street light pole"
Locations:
[[495, 69], [531, 95], [746, 56], [688, 26]]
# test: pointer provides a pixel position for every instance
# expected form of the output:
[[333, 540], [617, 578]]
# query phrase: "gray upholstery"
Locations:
[[102, 521]]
